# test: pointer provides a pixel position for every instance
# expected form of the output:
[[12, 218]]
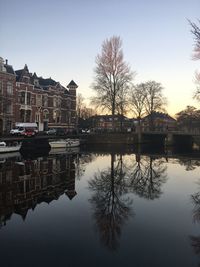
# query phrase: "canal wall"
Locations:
[[34, 146], [111, 138], [196, 140]]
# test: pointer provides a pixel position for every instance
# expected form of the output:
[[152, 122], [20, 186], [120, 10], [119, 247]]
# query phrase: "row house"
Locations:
[[36, 99], [158, 121], [107, 122]]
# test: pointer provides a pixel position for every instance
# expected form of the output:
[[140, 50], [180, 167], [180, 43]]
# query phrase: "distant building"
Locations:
[[105, 123], [158, 121], [35, 99]]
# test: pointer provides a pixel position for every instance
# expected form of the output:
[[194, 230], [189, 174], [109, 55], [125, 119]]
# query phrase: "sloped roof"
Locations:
[[159, 115], [72, 83], [46, 82], [22, 72], [43, 83], [9, 69], [18, 74]]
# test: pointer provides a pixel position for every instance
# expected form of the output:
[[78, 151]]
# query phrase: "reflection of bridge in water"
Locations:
[[25, 184], [169, 138]]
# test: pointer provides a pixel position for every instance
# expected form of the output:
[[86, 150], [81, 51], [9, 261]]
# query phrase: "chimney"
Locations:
[[6, 62]]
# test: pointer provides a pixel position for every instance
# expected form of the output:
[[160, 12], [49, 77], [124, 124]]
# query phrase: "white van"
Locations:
[[20, 128]]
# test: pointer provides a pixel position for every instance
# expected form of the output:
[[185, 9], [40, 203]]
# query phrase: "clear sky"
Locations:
[[61, 39]]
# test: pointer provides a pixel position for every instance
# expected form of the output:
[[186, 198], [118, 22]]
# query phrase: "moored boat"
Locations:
[[5, 148], [58, 144], [72, 142], [64, 143]]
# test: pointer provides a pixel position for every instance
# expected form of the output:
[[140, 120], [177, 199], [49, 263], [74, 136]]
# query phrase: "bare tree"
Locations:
[[197, 81], [154, 99], [196, 32], [112, 75], [79, 104], [122, 100], [83, 111], [188, 119], [137, 100]]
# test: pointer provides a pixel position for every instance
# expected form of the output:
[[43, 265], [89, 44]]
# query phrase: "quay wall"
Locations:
[[110, 138]]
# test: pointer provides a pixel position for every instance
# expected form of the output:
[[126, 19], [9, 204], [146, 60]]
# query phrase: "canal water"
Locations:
[[100, 207]]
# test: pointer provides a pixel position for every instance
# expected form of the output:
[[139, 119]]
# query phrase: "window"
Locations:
[[55, 101], [39, 100], [9, 108], [36, 82], [28, 115], [68, 103], [46, 114], [1, 87], [68, 117], [22, 97], [56, 116], [59, 102], [25, 79], [25, 115], [45, 100], [9, 88], [28, 99]]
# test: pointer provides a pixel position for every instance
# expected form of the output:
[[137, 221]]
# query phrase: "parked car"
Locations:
[[51, 131], [85, 130], [29, 132], [56, 131], [17, 131]]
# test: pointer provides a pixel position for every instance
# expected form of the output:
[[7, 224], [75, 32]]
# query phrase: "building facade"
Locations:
[[35, 99], [108, 123], [7, 96], [158, 121]]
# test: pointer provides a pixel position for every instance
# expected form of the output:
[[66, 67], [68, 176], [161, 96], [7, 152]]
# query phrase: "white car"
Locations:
[[85, 130], [17, 131]]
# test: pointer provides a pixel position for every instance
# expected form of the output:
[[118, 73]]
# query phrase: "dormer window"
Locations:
[[1, 87], [25, 79], [36, 82]]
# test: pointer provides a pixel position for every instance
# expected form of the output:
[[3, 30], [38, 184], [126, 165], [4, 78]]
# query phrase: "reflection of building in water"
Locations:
[[23, 185]]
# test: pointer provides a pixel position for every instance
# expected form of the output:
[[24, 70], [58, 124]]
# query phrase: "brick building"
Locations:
[[7, 95], [105, 123], [35, 99], [158, 121]]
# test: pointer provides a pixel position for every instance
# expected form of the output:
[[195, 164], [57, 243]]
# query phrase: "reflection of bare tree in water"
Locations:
[[81, 162], [147, 176], [111, 208], [196, 210], [190, 164], [195, 240]]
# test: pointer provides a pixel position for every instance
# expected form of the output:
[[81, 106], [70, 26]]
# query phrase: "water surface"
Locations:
[[103, 208]]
